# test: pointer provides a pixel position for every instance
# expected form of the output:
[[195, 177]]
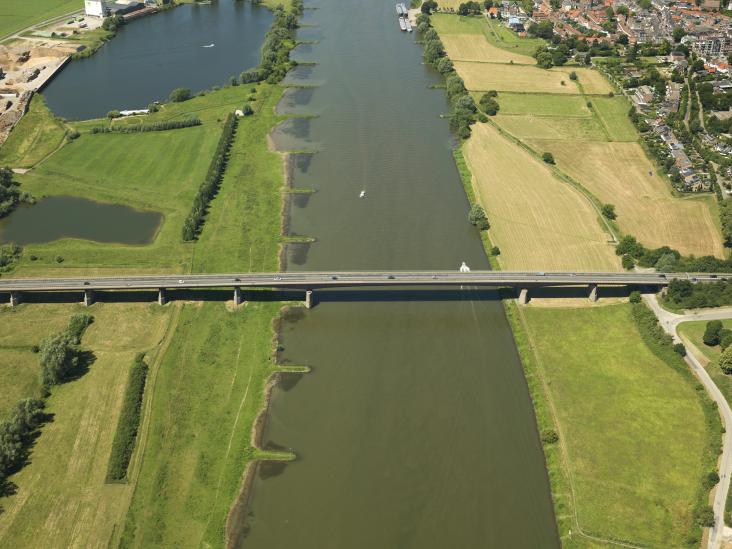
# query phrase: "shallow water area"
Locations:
[[58, 217]]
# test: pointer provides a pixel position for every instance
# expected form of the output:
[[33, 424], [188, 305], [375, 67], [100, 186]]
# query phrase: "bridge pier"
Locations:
[[309, 299], [14, 299], [593, 293], [524, 296], [162, 298], [89, 298], [238, 296]]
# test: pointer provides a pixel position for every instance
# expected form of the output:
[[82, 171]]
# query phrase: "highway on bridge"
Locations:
[[332, 279]]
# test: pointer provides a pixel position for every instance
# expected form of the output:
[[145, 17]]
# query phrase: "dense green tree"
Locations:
[[608, 210], [680, 349], [548, 158], [179, 95], [428, 6], [678, 33], [58, 357], [477, 217], [711, 333]]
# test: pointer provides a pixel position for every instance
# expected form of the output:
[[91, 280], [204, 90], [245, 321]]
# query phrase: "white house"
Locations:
[[95, 8]]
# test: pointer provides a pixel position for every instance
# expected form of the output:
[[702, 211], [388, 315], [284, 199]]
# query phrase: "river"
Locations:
[[415, 428]]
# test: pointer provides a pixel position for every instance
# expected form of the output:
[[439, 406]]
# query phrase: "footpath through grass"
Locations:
[[635, 439], [38, 134]]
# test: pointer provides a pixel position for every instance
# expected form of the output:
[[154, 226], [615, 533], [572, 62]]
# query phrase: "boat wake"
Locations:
[[209, 46]]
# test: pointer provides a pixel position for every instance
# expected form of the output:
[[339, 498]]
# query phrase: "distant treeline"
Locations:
[[194, 222], [154, 127], [129, 422], [684, 294]]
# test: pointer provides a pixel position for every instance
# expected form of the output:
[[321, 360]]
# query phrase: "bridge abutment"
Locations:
[[594, 296], [524, 296], [309, 299], [89, 298], [162, 297], [238, 296], [14, 299]]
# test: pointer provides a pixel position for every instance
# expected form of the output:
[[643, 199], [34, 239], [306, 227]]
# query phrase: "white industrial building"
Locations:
[[95, 8]]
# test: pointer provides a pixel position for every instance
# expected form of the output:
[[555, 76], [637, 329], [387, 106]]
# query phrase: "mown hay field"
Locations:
[[469, 47], [539, 222], [631, 428], [552, 127], [517, 78], [618, 173], [561, 106], [493, 31], [62, 499]]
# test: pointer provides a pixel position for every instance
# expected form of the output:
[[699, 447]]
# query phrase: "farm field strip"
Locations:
[[533, 214]]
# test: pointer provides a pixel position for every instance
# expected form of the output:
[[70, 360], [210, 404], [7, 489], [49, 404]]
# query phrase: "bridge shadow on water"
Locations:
[[330, 295]]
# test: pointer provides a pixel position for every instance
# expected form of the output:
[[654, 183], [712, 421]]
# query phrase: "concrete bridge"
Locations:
[[309, 281]]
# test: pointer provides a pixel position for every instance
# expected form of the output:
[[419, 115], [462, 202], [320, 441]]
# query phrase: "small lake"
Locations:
[[60, 217], [158, 53]]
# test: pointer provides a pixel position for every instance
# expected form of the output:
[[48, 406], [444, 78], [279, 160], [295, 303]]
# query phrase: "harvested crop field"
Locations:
[[619, 173], [560, 106], [469, 47], [514, 78], [552, 127], [533, 214]]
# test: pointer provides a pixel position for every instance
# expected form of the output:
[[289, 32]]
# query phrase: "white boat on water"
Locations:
[[209, 46], [408, 24], [399, 10], [402, 24]]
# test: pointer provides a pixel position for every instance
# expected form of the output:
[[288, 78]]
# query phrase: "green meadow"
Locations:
[[18, 14]]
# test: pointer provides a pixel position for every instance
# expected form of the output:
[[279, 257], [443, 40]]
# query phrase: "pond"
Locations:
[[60, 217], [191, 46]]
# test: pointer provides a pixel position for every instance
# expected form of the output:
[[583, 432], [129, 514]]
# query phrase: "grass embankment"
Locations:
[[635, 439], [494, 32], [590, 136], [215, 353], [16, 15], [36, 136]]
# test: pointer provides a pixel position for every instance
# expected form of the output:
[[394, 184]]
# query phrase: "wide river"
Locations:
[[415, 428]]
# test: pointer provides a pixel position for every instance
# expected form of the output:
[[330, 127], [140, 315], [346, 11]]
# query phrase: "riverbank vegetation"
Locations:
[[154, 127], [649, 489]]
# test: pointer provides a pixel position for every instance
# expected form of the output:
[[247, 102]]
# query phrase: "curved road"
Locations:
[[670, 322]]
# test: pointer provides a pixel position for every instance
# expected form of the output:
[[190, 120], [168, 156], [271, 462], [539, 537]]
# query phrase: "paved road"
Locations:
[[312, 280], [670, 322]]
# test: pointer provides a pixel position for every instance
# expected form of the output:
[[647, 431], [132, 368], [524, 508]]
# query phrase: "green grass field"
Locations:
[[161, 171], [62, 499], [224, 351], [18, 14], [495, 33], [560, 106], [632, 429], [37, 135]]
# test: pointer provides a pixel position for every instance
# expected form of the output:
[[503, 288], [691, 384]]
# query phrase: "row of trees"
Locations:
[[154, 127], [280, 39], [59, 355], [210, 186], [464, 110], [129, 421], [666, 259]]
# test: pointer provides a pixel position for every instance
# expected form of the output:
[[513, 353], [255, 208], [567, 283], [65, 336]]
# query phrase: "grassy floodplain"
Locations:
[[589, 134], [169, 496], [18, 14], [634, 439]]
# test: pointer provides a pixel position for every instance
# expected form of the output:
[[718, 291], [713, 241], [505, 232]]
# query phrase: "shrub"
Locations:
[[679, 349], [72, 135], [549, 436], [495, 250], [548, 158], [477, 217], [725, 341], [711, 480], [705, 516], [129, 421], [113, 114], [59, 259], [635, 296], [608, 210], [573, 75], [627, 262], [179, 95], [725, 361], [711, 333], [154, 127], [78, 323], [248, 110]]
